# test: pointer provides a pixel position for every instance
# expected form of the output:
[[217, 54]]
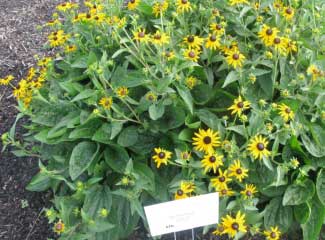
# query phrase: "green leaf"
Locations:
[[40, 182], [233, 76], [128, 137], [278, 215], [103, 134], [100, 226], [202, 93], [297, 194], [81, 157], [156, 111], [209, 119], [186, 96], [186, 135], [97, 197], [116, 157], [86, 130], [302, 212], [240, 129], [312, 227], [84, 95], [312, 147], [116, 129], [320, 186]]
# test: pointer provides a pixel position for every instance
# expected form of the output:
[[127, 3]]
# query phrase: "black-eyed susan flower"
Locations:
[[249, 191], [122, 92], [219, 230], [314, 71], [272, 234], [186, 189], [192, 54], [191, 82], [212, 42], [288, 13], [151, 96], [193, 42], [278, 5], [234, 225], [217, 28], [160, 38], [280, 45], [186, 155], [59, 227], [285, 112], [237, 2], [70, 48], [161, 156], [267, 34], [258, 147], [63, 7], [183, 6], [140, 35], [6, 81], [169, 55], [159, 8], [235, 59], [57, 38], [106, 102], [212, 161], [206, 140], [133, 4], [222, 180], [225, 191], [237, 171], [239, 106]]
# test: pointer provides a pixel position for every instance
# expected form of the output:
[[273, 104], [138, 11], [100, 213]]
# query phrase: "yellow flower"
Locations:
[[278, 5], [269, 54], [191, 82], [206, 140], [314, 71], [249, 191], [132, 4], [239, 106], [291, 45], [122, 92], [225, 191], [288, 13], [259, 19], [106, 102], [217, 29], [237, 171], [234, 225], [235, 59], [44, 61], [160, 38], [57, 38], [103, 213], [212, 42], [159, 8], [59, 227], [5, 81], [211, 161], [140, 35], [272, 234], [70, 48], [258, 147], [280, 45], [285, 112], [150, 96], [170, 55], [63, 7], [161, 156], [236, 2], [220, 230], [185, 190], [221, 181], [294, 162], [192, 54], [268, 34], [183, 6], [193, 41], [185, 155]]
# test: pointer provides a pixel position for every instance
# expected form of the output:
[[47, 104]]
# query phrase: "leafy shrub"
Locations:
[[147, 101]]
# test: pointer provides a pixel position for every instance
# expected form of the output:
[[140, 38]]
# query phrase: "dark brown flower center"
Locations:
[[157, 37], [235, 56], [260, 146], [277, 40], [240, 104], [184, 1], [224, 191], [248, 193], [191, 54], [88, 16], [168, 54], [273, 235], [289, 11], [132, 1], [207, 140], [180, 192], [59, 226], [235, 226], [190, 39], [161, 155], [269, 32], [239, 171], [222, 179], [218, 27], [141, 34], [212, 159], [213, 38], [288, 110]]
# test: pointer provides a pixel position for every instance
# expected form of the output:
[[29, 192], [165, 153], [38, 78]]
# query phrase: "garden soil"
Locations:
[[21, 216]]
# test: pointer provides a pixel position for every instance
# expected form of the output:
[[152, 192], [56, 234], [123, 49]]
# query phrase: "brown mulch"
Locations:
[[20, 210]]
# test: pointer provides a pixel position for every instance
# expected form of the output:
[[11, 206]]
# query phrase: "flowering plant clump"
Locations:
[[149, 101]]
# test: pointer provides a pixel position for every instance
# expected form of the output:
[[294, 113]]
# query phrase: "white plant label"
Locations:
[[183, 214]]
